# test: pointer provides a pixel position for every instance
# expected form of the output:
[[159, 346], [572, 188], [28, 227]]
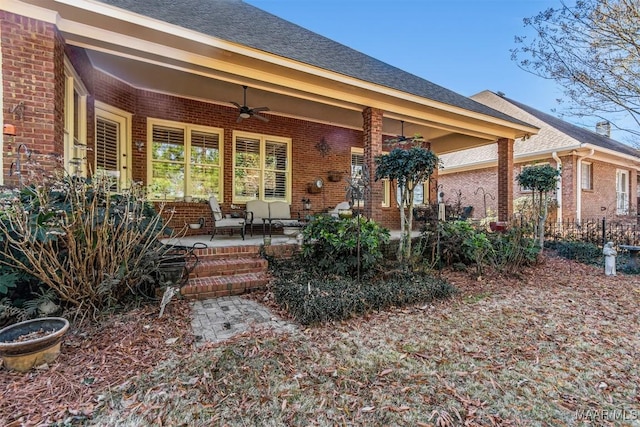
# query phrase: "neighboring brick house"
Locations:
[[145, 92], [599, 175]]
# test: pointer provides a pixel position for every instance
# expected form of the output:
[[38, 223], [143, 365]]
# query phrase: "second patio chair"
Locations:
[[219, 221]]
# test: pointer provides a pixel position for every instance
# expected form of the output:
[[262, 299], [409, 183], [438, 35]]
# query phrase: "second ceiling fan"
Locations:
[[245, 112]]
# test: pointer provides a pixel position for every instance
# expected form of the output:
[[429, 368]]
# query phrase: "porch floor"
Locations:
[[225, 240]]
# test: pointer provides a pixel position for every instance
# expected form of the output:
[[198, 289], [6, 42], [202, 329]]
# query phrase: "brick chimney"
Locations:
[[603, 128]]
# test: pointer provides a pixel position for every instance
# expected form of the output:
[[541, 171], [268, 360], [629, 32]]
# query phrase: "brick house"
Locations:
[[599, 175], [144, 90]]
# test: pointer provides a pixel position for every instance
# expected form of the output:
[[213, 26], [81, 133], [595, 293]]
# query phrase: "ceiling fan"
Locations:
[[246, 112], [402, 140]]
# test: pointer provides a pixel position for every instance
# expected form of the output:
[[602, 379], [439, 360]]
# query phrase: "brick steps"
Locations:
[[226, 271], [213, 287], [227, 252], [208, 267]]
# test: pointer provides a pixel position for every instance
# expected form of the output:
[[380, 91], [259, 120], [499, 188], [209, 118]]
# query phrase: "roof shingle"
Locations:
[[239, 22]]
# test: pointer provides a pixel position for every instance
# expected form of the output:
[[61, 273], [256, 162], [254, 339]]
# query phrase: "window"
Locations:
[[420, 194], [112, 141], [75, 123], [186, 160], [261, 167], [357, 163], [622, 192], [587, 176]]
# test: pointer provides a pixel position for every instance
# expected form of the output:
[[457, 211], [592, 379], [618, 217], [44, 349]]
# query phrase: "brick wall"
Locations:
[[33, 74], [505, 183], [596, 203], [307, 163], [471, 186]]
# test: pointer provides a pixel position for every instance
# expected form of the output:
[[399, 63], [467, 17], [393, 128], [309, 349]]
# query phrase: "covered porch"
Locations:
[[231, 241], [158, 97]]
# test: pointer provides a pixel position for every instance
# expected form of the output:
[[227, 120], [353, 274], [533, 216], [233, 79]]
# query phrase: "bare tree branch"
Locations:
[[592, 50]]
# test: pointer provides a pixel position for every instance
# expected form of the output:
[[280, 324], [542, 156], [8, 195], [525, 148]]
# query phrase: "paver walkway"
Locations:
[[216, 320]]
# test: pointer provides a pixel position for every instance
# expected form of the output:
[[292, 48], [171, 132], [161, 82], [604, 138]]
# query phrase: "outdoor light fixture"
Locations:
[[140, 145]]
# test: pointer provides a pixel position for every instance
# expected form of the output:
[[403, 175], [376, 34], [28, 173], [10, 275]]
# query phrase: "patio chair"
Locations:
[[219, 221], [339, 207]]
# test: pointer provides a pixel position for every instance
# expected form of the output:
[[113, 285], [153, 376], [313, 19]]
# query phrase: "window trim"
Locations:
[[425, 194], [263, 138], [73, 84], [590, 176], [187, 128], [386, 185], [124, 119], [625, 209]]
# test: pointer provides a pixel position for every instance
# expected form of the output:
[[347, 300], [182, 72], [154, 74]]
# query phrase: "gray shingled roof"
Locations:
[[583, 135], [238, 22], [555, 134]]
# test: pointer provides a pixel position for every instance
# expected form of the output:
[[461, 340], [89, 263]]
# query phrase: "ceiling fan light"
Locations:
[[245, 115]]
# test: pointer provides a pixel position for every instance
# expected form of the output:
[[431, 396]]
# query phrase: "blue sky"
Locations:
[[462, 45]]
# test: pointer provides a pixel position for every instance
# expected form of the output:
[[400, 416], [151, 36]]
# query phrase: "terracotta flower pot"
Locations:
[[31, 343]]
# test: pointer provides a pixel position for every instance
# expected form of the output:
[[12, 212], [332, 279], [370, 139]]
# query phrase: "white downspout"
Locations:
[[579, 185], [559, 189]]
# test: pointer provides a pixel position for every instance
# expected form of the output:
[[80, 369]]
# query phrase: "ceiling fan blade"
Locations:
[[236, 104], [258, 116], [257, 109], [239, 119]]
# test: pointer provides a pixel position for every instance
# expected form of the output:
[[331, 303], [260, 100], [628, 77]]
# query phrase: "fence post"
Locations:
[[604, 231]]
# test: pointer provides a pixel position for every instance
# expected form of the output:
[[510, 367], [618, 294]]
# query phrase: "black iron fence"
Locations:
[[596, 231]]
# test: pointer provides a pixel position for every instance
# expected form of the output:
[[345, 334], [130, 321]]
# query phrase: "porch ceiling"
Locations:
[[153, 55]]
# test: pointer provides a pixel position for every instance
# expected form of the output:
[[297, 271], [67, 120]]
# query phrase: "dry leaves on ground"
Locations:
[[557, 346], [93, 359]]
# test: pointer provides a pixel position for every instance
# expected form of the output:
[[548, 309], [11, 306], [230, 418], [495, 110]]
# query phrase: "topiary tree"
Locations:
[[540, 180], [408, 167]]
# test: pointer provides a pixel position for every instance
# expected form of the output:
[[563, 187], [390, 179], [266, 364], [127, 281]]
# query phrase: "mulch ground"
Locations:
[[554, 303], [95, 358]]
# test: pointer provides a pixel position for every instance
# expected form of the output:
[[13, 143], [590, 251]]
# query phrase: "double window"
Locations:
[[261, 167], [185, 160]]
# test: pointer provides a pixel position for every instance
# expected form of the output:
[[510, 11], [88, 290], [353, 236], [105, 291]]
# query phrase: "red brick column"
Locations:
[[33, 77], [433, 187], [505, 179], [372, 133]]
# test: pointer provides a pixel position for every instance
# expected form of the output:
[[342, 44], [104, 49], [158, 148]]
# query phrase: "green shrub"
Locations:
[[313, 298], [331, 244], [584, 252], [93, 248], [462, 243], [513, 249]]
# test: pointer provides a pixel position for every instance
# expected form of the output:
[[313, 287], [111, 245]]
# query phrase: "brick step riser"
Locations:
[[210, 267], [228, 253], [216, 271], [198, 289]]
